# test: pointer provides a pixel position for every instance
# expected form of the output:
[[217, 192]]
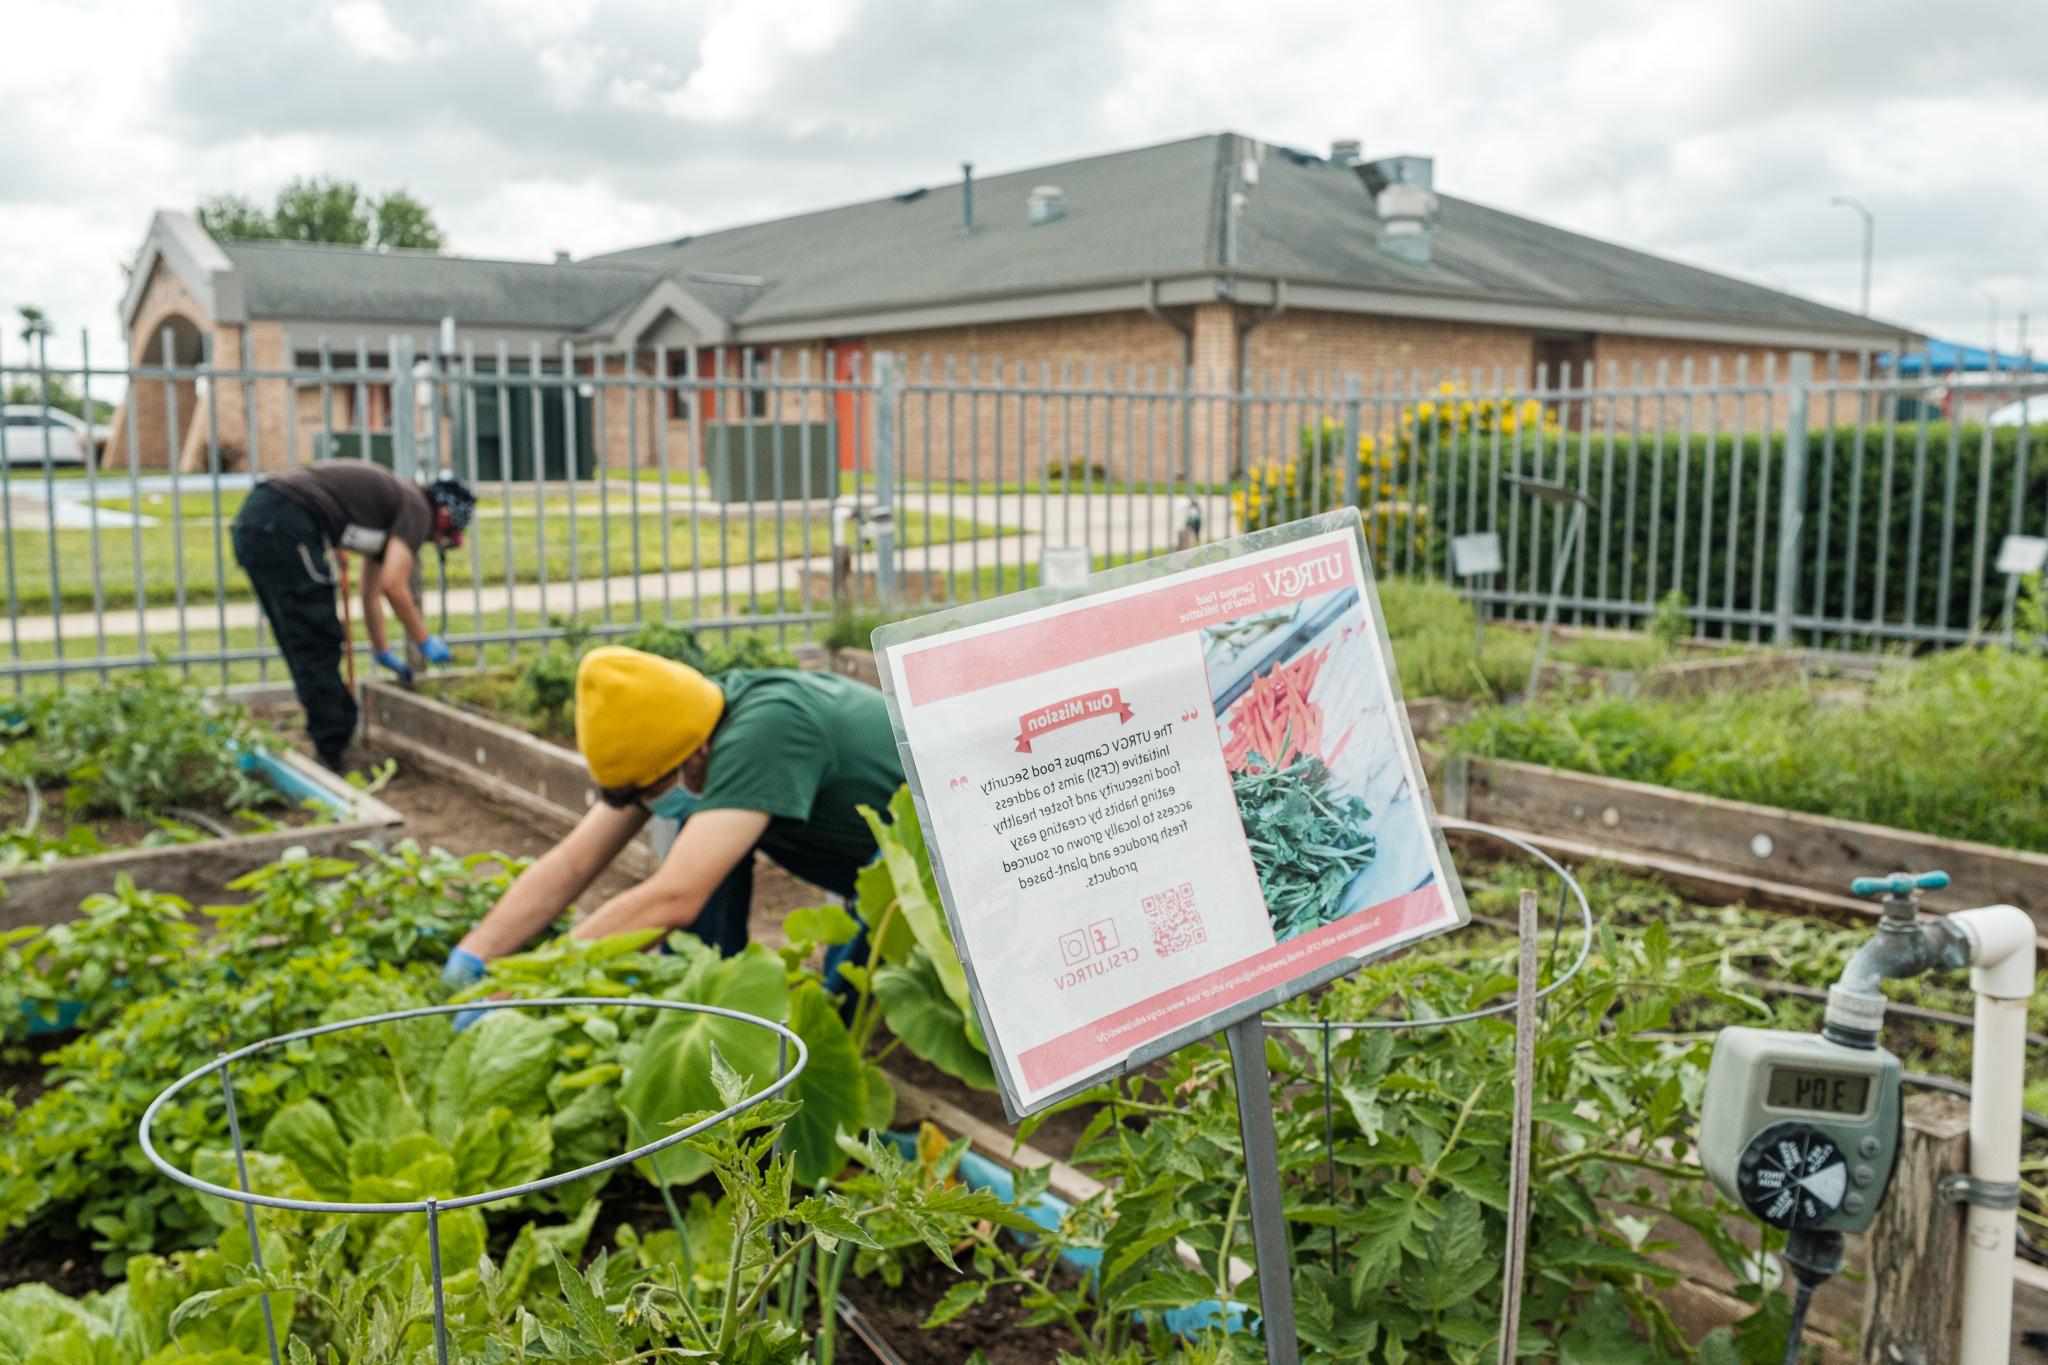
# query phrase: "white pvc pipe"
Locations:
[[2002, 975]]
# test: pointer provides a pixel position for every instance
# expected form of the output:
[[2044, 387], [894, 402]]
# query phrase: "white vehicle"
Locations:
[[30, 434], [2026, 412]]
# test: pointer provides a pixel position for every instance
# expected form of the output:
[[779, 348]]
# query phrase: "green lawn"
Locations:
[[538, 545]]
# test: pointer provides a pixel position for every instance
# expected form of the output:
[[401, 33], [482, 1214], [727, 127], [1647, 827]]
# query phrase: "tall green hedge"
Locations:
[[1866, 489]]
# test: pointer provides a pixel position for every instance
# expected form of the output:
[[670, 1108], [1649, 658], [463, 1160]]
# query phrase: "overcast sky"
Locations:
[[1713, 133]]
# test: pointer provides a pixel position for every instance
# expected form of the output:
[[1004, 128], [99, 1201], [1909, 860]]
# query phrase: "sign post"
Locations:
[[1247, 1042]]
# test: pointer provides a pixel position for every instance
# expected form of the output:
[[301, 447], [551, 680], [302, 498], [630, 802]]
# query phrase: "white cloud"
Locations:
[[746, 51], [368, 31]]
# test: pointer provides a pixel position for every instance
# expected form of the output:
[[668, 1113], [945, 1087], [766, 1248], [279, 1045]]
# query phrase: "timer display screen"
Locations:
[[1823, 1092]]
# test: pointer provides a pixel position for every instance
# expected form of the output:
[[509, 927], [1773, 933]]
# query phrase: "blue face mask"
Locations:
[[674, 804]]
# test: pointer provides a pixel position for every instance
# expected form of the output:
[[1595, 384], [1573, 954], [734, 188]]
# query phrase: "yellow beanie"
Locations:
[[639, 715]]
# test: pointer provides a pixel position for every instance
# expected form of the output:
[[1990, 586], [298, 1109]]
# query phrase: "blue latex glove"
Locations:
[[391, 659], [462, 968], [435, 651]]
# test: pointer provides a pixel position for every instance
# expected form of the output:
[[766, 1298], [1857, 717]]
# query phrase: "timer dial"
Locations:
[[1793, 1176]]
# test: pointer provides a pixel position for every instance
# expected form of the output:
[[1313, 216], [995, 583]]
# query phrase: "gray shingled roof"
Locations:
[[1157, 212], [1130, 215], [1152, 213], [291, 280]]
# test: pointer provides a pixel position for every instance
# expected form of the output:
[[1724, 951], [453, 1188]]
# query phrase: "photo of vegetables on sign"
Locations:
[[1156, 808]]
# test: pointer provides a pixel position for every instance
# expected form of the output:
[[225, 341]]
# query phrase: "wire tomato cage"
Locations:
[[786, 1074], [1522, 1006]]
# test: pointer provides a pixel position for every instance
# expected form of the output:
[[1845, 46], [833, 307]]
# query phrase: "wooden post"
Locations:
[[1915, 1248]]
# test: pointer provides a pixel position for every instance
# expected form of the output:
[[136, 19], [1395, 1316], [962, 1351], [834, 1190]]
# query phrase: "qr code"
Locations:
[[1175, 923]]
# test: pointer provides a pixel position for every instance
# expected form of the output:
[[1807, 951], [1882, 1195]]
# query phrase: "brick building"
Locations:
[[1194, 271]]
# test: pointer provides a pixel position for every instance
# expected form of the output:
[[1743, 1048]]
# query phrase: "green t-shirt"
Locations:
[[806, 750]]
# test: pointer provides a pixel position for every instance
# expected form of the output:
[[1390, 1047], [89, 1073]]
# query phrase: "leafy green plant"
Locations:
[[1399, 1261], [914, 980], [136, 747], [1671, 623], [1953, 745], [125, 943]]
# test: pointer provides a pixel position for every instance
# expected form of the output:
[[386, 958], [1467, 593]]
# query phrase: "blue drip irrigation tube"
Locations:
[[291, 781], [1048, 1211]]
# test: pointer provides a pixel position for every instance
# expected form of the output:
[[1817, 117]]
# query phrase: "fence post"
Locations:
[[1792, 492], [888, 389], [405, 453], [1915, 1248], [405, 463], [1354, 390]]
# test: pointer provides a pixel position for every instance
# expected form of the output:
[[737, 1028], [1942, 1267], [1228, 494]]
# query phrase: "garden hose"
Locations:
[[32, 819], [203, 821], [1815, 1257]]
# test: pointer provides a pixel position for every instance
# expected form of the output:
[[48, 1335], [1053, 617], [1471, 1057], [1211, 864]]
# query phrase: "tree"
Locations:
[[403, 222], [34, 323], [234, 217], [322, 209]]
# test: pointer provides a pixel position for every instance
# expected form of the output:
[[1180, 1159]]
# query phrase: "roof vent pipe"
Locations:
[[1045, 204], [1345, 151], [966, 197], [562, 257], [1406, 204]]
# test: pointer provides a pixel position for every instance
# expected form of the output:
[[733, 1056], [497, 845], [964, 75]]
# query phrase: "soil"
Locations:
[[994, 1326], [30, 1257]]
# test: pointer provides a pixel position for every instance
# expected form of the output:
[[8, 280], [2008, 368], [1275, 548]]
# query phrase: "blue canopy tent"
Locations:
[[1948, 357]]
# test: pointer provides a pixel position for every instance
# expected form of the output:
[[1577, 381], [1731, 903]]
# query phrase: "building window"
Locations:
[[679, 397], [757, 398]]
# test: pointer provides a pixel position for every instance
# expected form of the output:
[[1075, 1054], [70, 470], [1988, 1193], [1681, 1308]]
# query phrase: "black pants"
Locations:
[[282, 549]]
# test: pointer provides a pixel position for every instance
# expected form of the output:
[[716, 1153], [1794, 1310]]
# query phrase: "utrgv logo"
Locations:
[[1292, 580]]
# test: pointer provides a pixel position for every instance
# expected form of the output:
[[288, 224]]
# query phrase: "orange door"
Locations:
[[850, 409]]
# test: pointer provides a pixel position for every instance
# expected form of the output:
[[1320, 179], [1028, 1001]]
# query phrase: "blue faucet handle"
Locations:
[[1899, 883]]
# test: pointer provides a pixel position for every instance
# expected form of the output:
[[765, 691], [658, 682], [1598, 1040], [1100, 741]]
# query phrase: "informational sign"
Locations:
[[1157, 807]]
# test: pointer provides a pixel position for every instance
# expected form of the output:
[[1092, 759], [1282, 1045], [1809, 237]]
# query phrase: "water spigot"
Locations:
[[1899, 884]]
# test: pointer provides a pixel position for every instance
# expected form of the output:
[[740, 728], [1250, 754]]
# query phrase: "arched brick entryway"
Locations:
[[165, 410]]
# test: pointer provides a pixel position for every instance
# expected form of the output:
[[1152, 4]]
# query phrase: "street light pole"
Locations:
[[1869, 238]]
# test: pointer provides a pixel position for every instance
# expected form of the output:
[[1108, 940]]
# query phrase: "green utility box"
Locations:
[[771, 461], [508, 452]]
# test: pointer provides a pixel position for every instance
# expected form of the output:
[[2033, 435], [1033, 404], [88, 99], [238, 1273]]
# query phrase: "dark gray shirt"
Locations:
[[359, 505]]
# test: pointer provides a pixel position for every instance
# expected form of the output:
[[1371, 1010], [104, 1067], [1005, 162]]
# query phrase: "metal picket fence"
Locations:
[[1802, 499]]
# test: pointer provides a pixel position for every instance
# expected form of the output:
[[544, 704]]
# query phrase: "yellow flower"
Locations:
[[1507, 424], [1425, 410], [1447, 387], [1365, 445]]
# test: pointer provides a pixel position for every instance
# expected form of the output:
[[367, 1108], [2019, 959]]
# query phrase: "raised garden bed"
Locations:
[[1798, 787], [199, 868], [154, 780], [1758, 846]]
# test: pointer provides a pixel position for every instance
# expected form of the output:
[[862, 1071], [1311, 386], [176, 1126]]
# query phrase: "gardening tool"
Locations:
[[348, 633], [1802, 1130]]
